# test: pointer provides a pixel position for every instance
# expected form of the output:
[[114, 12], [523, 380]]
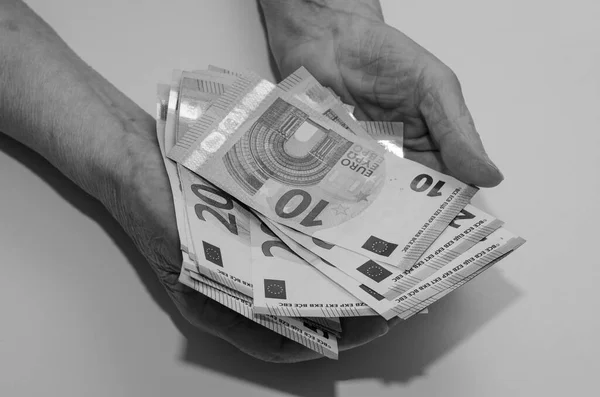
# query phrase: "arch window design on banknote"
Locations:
[[285, 146], [295, 164]]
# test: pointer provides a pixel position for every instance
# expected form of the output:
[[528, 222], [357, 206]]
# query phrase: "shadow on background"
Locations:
[[403, 354]]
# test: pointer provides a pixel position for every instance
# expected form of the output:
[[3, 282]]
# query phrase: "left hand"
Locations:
[[387, 76], [142, 203]]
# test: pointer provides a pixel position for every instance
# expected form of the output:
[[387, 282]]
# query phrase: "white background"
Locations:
[[82, 315]]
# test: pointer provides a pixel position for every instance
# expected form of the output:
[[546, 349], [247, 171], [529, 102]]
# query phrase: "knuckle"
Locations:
[[435, 72], [448, 76]]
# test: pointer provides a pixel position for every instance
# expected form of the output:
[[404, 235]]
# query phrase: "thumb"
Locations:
[[451, 127]]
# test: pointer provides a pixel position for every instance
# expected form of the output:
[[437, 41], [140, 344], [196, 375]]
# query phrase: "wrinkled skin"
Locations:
[[387, 77], [145, 209], [146, 212], [57, 105]]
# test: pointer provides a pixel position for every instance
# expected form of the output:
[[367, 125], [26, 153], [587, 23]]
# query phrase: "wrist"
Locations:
[[54, 103], [294, 26]]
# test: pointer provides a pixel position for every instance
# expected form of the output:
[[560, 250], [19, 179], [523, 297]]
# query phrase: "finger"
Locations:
[[260, 342], [451, 126], [254, 339], [361, 114], [394, 321], [357, 331], [431, 159], [248, 336], [421, 142]]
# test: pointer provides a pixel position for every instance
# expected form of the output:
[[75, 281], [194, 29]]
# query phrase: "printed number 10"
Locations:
[[423, 182], [301, 207]]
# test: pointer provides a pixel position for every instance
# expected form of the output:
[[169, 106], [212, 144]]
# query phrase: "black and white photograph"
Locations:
[[304, 198]]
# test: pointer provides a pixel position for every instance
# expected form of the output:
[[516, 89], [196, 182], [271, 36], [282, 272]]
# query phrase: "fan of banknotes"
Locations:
[[294, 214]]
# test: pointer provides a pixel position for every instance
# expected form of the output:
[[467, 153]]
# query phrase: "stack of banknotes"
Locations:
[[294, 214]]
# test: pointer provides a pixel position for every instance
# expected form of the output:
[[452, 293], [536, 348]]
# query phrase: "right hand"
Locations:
[[387, 76]]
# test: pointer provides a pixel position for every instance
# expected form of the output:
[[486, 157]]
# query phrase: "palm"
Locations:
[[386, 85], [146, 212], [387, 76]]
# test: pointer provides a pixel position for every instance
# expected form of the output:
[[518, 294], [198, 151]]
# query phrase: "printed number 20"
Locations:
[[229, 223], [268, 245]]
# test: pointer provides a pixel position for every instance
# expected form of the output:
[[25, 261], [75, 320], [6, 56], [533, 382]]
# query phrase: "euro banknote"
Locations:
[[273, 225], [278, 156], [300, 330]]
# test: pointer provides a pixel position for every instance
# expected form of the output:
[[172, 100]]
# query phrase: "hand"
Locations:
[[107, 145], [144, 207], [387, 76], [346, 45]]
